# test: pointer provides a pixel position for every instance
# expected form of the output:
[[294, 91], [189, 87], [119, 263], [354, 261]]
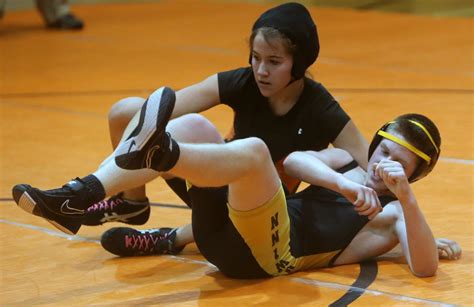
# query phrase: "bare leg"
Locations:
[[184, 235], [245, 165], [120, 116]]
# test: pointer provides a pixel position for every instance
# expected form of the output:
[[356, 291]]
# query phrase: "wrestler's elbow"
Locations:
[[427, 270]]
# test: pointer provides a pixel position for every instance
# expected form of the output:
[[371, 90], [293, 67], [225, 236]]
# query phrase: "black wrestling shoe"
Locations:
[[149, 146], [117, 209], [67, 22], [126, 242], [60, 207]]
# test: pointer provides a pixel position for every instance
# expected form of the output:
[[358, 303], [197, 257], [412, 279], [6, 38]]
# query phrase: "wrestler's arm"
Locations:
[[197, 97], [317, 168], [412, 230], [416, 239], [351, 140], [334, 158], [192, 99], [314, 168]]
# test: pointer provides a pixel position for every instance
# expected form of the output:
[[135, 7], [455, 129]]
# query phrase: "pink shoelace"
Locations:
[[105, 205], [143, 242]]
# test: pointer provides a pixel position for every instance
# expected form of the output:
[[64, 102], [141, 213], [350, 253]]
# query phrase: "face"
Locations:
[[271, 64], [391, 151]]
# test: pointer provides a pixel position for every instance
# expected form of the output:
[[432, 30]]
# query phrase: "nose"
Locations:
[[262, 69]]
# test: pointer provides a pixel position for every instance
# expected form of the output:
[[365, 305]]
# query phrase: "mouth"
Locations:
[[264, 83]]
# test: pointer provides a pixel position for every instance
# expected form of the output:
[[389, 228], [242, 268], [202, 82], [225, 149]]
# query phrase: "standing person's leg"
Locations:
[[2, 8], [56, 14]]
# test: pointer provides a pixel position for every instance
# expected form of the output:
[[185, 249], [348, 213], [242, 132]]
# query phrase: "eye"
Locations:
[[274, 62], [255, 57]]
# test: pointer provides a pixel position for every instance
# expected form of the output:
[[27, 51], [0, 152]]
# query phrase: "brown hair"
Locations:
[[270, 34]]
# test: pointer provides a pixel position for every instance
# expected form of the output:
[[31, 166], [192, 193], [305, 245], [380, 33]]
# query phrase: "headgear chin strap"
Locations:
[[429, 161], [293, 20]]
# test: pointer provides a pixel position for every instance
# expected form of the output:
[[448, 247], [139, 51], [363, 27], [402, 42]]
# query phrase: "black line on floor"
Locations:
[[374, 5], [151, 204], [368, 273], [145, 91], [78, 93], [170, 206]]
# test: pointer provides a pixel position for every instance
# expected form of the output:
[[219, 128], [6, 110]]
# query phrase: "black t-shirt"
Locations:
[[313, 122]]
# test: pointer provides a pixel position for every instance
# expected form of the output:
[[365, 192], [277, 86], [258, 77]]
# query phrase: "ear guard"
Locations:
[[428, 163]]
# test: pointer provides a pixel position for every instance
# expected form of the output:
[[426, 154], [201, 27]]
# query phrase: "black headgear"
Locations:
[[429, 161], [293, 20]]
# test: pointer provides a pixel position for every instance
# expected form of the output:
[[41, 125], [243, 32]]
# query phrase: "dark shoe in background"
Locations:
[[67, 22]]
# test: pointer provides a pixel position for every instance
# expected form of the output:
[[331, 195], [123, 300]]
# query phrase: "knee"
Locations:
[[196, 121], [258, 149], [194, 128], [123, 111]]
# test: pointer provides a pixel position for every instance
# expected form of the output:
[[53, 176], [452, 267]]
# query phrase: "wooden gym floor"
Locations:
[[56, 89]]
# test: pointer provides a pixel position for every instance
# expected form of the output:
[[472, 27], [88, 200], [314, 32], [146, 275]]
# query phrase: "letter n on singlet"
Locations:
[[275, 238], [281, 265], [274, 220]]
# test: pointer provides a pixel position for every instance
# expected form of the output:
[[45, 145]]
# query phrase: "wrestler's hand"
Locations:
[[365, 199], [448, 249], [394, 177]]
